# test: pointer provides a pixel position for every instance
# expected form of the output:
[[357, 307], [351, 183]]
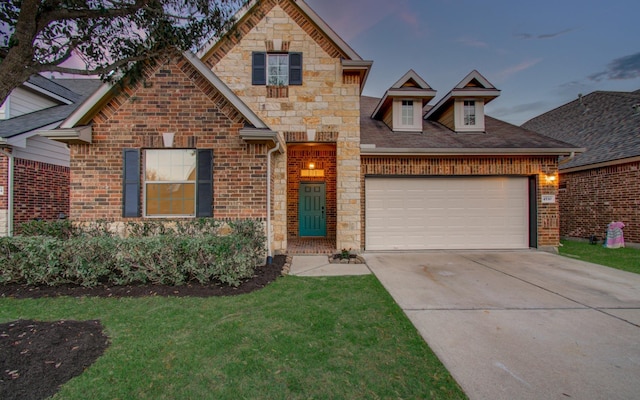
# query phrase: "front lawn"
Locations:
[[298, 338], [626, 259]]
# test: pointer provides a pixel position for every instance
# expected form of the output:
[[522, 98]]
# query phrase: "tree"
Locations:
[[107, 35]]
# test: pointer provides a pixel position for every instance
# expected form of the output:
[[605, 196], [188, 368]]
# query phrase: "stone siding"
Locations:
[[325, 102]]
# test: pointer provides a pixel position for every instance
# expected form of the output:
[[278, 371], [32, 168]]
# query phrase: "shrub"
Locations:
[[156, 253]]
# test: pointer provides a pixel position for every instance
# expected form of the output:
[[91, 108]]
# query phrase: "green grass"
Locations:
[[626, 259], [299, 338]]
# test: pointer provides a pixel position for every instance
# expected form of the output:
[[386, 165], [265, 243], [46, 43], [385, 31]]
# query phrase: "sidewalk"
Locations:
[[320, 266]]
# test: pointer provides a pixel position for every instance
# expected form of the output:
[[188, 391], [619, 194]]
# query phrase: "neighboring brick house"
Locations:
[[34, 177], [602, 184], [268, 122]]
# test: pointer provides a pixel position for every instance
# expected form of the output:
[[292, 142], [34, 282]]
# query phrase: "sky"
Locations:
[[541, 54]]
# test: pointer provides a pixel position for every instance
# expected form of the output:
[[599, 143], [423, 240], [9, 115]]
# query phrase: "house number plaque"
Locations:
[[548, 198]]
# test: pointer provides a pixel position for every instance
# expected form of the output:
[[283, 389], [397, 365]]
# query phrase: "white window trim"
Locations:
[[459, 116], [398, 126], [144, 191]]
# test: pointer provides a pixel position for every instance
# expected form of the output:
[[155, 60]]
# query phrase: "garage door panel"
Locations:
[[446, 213]]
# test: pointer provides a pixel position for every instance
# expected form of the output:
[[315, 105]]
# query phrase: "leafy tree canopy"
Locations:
[[107, 35]]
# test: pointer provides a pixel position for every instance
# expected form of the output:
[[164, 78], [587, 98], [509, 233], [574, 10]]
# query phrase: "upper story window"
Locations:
[[469, 112], [276, 69], [407, 112]]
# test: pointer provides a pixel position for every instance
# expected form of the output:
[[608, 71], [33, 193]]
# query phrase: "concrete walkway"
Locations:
[[522, 325], [320, 266]]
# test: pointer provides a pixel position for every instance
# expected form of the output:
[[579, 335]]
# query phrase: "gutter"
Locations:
[[368, 149], [269, 250], [9, 193]]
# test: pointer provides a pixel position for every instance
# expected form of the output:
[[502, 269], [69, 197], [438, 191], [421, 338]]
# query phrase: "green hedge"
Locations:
[[157, 253]]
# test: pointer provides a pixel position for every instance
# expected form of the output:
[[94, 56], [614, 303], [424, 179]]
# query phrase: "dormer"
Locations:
[[401, 107], [462, 109]]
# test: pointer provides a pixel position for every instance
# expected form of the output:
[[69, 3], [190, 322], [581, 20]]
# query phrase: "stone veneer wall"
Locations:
[[548, 226], [591, 199], [172, 97], [324, 158], [327, 101]]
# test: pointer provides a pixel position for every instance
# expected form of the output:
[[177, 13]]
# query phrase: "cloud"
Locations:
[[471, 42], [627, 67], [527, 36], [508, 72]]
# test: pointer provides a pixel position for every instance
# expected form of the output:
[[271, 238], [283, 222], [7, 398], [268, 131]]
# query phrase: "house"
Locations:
[[34, 177], [602, 184], [269, 123]]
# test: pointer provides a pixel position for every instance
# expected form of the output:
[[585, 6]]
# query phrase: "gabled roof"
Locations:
[[474, 85], [107, 91], [52, 116], [254, 12], [606, 123], [411, 85], [501, 138], [51, 89], [251, 6]]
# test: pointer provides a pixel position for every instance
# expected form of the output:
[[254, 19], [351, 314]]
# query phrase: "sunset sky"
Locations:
[[541, 53]]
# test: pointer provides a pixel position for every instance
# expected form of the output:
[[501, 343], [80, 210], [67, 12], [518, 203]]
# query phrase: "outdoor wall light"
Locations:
[[312, 165], [550, 178]]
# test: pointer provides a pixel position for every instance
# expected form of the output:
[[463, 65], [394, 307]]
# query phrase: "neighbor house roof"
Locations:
[[500, 138], [606, 123], [50, 117]]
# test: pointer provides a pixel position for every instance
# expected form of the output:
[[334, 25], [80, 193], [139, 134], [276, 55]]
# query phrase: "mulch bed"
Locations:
[[36, 358]]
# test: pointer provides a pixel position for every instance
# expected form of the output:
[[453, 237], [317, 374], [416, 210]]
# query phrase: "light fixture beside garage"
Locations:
[[549, 177]]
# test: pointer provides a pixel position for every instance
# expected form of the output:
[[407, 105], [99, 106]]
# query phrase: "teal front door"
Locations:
[[311, 210]]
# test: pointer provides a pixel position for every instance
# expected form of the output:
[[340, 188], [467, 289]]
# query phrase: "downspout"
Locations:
[[269, 250], [9, 193]]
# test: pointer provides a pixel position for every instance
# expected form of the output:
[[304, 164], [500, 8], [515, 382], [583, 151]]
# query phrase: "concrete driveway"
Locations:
[[522, 324]]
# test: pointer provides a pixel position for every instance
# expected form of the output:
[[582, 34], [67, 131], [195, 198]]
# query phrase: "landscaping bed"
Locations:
[[37, 357]]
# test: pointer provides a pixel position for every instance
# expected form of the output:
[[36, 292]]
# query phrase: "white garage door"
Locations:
[[447, 213]]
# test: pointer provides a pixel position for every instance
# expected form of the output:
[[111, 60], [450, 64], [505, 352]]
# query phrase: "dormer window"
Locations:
[[469, 116], [407, 112], [469, 113]]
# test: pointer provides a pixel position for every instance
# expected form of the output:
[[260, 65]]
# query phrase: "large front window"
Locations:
[[277, 69], [469, 112], [170, 182]]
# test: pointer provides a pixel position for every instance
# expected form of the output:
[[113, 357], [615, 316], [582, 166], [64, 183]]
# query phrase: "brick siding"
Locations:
[[299, 158], [172, 97], [41, 190], [548, 226], [591, 199]]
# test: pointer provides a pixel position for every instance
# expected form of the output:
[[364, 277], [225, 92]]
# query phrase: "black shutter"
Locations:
[[204, 178], [295, 68], [258, 68], [131, 183]]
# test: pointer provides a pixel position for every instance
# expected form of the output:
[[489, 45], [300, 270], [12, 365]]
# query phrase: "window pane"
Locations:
[[469, 112], [170, 165], [278, 69], [407, 112], [170, 198]]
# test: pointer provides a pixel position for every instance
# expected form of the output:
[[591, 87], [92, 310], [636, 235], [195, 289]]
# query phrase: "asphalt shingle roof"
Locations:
[[499, 135], [603, 122], [39, 119]]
